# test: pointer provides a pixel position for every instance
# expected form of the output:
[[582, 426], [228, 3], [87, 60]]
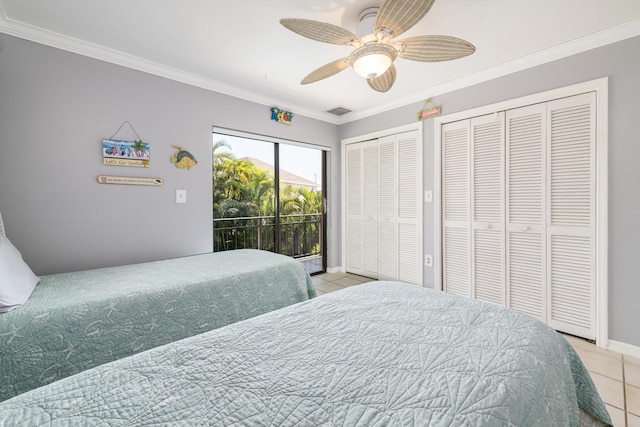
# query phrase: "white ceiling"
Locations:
[[239, 47]]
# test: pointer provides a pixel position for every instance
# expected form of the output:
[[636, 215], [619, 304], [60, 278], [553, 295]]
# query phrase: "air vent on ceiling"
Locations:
[[339, 111]]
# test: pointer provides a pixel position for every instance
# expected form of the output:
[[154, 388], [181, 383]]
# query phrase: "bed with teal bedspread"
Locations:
[[75, 321], [377, 354]]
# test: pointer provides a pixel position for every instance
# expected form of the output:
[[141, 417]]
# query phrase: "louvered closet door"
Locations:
[[408, 199], [456, 263], [387, 203], [525, 194], [354, 208], [571, 214], [382, 197], [487, 208], [370, 167]]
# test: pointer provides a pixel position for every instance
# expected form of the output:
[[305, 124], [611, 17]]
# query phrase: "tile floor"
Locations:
[[616, 376]]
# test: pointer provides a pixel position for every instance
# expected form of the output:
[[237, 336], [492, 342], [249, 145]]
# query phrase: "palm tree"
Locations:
[[222, 172], [260, 192], [300, 200], [220, 157], [138, 147], [242, 190], [236, 175]]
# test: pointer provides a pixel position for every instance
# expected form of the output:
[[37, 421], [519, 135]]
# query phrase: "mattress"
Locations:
[[75, 321], [377, 354]]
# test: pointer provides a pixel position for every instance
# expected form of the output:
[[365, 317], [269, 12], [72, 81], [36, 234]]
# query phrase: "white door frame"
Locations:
[[601, 88], [375, 135]]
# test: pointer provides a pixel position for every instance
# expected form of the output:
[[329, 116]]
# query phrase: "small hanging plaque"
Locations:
[[129, 180], [125, 153], [116, 152], [281, 116], [429, 109]]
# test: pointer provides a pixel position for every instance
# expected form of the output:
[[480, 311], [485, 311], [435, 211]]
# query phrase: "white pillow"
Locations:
[[17, 281]]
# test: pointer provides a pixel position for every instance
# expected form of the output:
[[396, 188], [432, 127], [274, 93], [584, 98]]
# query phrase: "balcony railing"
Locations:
[[300, 235]]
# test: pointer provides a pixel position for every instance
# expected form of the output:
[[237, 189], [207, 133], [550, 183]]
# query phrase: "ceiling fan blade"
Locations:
[[384, 82], [398, 16], [326, 70], [434, 48], [321, 31]]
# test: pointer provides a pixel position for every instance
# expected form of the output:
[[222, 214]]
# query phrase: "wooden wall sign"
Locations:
[[116, 152], [429, 109], [129, 180]]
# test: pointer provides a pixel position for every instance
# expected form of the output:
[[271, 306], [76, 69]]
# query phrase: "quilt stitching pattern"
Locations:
[[377, 354], [75, 321]]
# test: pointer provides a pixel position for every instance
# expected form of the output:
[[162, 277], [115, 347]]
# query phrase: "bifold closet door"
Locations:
[[382, 208], [398, 208], [387, 202], [354, 208], [487, 208], [362, 170], [518, 211], [571, 214], [370, 182], [407, 208], [473, 208], [456, 265], [525, 213]]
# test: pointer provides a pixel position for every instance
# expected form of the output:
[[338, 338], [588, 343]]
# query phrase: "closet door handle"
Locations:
[[525, 228], [487, 226]]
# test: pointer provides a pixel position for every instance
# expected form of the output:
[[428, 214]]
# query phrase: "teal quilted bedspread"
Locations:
[[75, 321], [377, 354]]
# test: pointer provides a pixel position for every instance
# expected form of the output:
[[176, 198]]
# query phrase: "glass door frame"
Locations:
[[219, 133]]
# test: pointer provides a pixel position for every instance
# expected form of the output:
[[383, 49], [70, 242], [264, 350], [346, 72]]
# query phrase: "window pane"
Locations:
[[301, 204], [243, 199]]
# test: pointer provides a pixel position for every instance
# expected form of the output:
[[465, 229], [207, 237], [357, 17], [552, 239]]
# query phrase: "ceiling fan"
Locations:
[[374, 53]]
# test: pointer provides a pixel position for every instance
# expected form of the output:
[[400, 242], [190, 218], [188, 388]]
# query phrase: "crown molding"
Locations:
[[49, 38], [583, 44], [70, 44]]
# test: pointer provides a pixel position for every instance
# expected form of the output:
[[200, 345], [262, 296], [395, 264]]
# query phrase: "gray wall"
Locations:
[[56, 107], [621, 63]]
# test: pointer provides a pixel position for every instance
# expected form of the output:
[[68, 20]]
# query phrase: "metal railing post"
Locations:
[[295, 236], [260, 233]]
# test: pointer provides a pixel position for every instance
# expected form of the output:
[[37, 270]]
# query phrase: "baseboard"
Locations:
[[624, 348], [334, 269]]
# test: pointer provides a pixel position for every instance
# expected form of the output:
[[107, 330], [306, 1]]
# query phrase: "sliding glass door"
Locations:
[[243, 194], [301, 204], [269, 196]]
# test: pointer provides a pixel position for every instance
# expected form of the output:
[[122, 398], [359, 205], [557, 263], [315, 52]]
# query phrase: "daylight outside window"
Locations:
[[256, 206]]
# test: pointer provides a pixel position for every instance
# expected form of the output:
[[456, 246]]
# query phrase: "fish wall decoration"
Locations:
[[182, 158]]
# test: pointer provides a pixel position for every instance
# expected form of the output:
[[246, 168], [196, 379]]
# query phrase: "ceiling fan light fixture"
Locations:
[[374, 48], [372, 60]]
